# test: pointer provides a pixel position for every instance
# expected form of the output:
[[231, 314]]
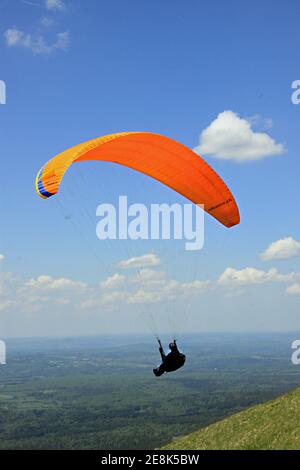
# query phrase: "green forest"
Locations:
[[100, 393]]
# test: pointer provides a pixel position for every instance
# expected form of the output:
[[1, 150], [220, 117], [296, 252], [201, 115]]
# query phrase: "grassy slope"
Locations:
[[273, 425]]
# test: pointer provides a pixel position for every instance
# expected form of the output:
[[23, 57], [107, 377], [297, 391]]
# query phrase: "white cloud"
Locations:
[[55, 5], [15, 37], [2, 257], [140, 261], [113, 281], [145, 297], [62, 41], [47, 22], [248, 276], [229, 137], [282, 249], [114, 297], [149, 275], [294, 289], [44, 282], [37, 44], [36, 294], [148, 286], [260, 122], [195, 286], [45, 293], [167, 290], [14, 294]]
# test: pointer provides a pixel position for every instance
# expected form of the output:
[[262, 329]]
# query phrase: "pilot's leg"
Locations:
[[159, 370]]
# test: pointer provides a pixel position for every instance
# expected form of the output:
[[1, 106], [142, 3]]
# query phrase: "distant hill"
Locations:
[[272, 425]]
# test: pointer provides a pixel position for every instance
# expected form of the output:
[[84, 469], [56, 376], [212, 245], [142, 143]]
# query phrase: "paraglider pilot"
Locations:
[[170, 362]]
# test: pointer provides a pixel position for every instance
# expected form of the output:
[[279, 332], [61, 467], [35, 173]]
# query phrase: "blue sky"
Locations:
[[75, 70]]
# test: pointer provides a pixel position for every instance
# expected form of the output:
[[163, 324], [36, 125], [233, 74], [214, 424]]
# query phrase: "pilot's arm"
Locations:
[[162, 352]]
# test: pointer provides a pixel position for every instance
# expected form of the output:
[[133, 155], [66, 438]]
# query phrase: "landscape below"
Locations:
[[100, 393]]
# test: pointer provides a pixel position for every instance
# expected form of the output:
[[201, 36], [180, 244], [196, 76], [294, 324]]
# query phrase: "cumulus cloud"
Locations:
[[284, 248], [140, 261], [260, 122], [148, 286], [13, 293], [167, 289], [251, 276], [47, 22], [113, 281], [230, 137], [155, 286], [44, 292], [44, 282], [37, 44], [114, 297], [33, 294], [55, 5], [14, 37], [150, 276], [294, 289]]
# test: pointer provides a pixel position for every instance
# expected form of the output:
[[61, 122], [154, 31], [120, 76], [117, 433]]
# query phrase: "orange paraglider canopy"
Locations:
[[157, 156]]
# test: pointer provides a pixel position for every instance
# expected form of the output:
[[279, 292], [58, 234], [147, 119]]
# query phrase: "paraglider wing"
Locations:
[[157, 156]]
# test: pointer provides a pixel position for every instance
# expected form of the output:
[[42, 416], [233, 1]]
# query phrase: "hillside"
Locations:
[[273, 425]]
